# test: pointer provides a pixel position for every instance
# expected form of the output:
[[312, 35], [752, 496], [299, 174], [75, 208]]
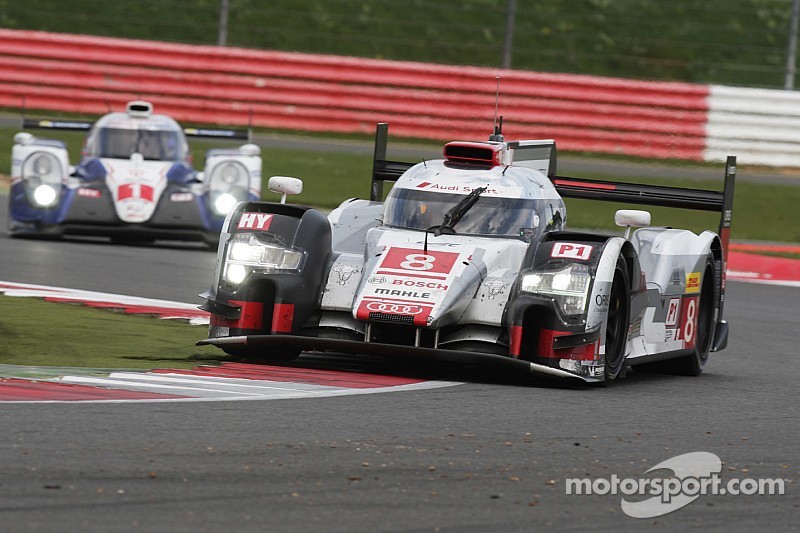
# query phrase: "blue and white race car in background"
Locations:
[[134, 181]]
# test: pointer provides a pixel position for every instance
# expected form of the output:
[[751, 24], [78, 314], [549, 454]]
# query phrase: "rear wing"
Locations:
[[239, 134], [611, 191], [82, 125], [56, 124]]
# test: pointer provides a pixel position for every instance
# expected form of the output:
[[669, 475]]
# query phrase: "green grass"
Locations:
[[736, 42], [328, 177], [40, 333]]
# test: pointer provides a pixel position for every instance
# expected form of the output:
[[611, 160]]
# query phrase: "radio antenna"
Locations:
[[497, 130], [496, 100], [250, 125]]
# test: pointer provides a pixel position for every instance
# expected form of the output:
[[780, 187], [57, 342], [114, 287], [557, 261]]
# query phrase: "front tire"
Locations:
[[619, 313]]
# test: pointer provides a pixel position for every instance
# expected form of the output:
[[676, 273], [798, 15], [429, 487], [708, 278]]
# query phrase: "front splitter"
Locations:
[[393, 350]]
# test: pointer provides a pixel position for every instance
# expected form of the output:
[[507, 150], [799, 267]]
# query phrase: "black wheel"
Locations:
[[692, 364], [619, 313]]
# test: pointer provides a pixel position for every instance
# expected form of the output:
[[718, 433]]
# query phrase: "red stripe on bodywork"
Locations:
[[282, 318], [516, 341], [251, 317], [725, 237], [583, 352]]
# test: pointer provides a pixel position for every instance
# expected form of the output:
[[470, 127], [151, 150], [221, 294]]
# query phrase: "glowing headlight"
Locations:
[[569, 286], [224, 203], [41, 173], [227, 186], [247, 253], [45, 195], [236, 273]]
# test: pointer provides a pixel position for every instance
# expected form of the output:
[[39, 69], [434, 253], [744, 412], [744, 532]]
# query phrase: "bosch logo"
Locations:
[[397, 309]]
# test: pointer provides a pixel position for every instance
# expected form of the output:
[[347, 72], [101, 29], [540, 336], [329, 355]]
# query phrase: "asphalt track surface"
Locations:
[[492, 454]]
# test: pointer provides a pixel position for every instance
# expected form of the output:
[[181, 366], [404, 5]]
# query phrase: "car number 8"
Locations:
[[691, 311], [418, 262]]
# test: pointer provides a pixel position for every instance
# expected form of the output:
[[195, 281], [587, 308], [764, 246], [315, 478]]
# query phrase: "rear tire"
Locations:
[[692, 364], [619, 314]]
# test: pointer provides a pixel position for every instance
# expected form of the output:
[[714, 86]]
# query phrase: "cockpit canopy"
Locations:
[[489, 216], [491, 201], [119, 135]]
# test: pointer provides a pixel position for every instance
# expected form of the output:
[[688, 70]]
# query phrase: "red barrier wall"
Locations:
[[210, 84]]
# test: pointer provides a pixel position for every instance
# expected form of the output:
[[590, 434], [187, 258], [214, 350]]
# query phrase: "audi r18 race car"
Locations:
[[468, 259], [134, 180]]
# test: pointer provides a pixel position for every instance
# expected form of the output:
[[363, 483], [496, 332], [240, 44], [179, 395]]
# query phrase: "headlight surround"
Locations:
[[248, 253], [569, 286], [42, 176], [227, 186]]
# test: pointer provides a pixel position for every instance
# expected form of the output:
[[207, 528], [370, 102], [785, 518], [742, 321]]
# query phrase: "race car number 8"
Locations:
[[418, 262], [689, 325]]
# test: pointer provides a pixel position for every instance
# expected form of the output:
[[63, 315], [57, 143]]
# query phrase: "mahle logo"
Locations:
[[693, 475]]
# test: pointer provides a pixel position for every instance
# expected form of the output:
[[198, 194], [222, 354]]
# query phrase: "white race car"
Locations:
[[468, 259], [134, 180]]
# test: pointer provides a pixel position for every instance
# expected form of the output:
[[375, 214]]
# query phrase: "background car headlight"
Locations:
[[247, 253], [569, 286], [227, 186], [42, 176]]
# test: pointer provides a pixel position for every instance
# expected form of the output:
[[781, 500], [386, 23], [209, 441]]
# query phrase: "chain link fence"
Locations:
[[733, 42]]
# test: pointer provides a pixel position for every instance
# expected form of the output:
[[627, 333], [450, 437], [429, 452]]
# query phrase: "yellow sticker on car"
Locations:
[[692, 282]]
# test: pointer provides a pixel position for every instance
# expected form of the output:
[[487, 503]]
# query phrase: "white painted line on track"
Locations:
[[265, 395], [167, 309], [180, 384]]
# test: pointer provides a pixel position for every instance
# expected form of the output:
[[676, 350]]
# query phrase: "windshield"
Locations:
[[490, 215], [155, 145]]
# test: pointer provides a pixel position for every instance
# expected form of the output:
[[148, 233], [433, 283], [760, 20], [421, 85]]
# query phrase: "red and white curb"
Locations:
[[768, 270], [228, 382], [129, 304], [232, 381]]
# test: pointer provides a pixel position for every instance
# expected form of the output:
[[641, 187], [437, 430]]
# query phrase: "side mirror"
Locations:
[[23, 138], [628, 218], [285, 185]]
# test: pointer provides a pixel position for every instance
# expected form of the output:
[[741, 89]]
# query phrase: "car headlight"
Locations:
[[42, 175], [248, 253], [569, 286], [227, 186]]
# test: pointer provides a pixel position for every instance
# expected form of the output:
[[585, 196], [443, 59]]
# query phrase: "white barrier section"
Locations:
[[760, 126]]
